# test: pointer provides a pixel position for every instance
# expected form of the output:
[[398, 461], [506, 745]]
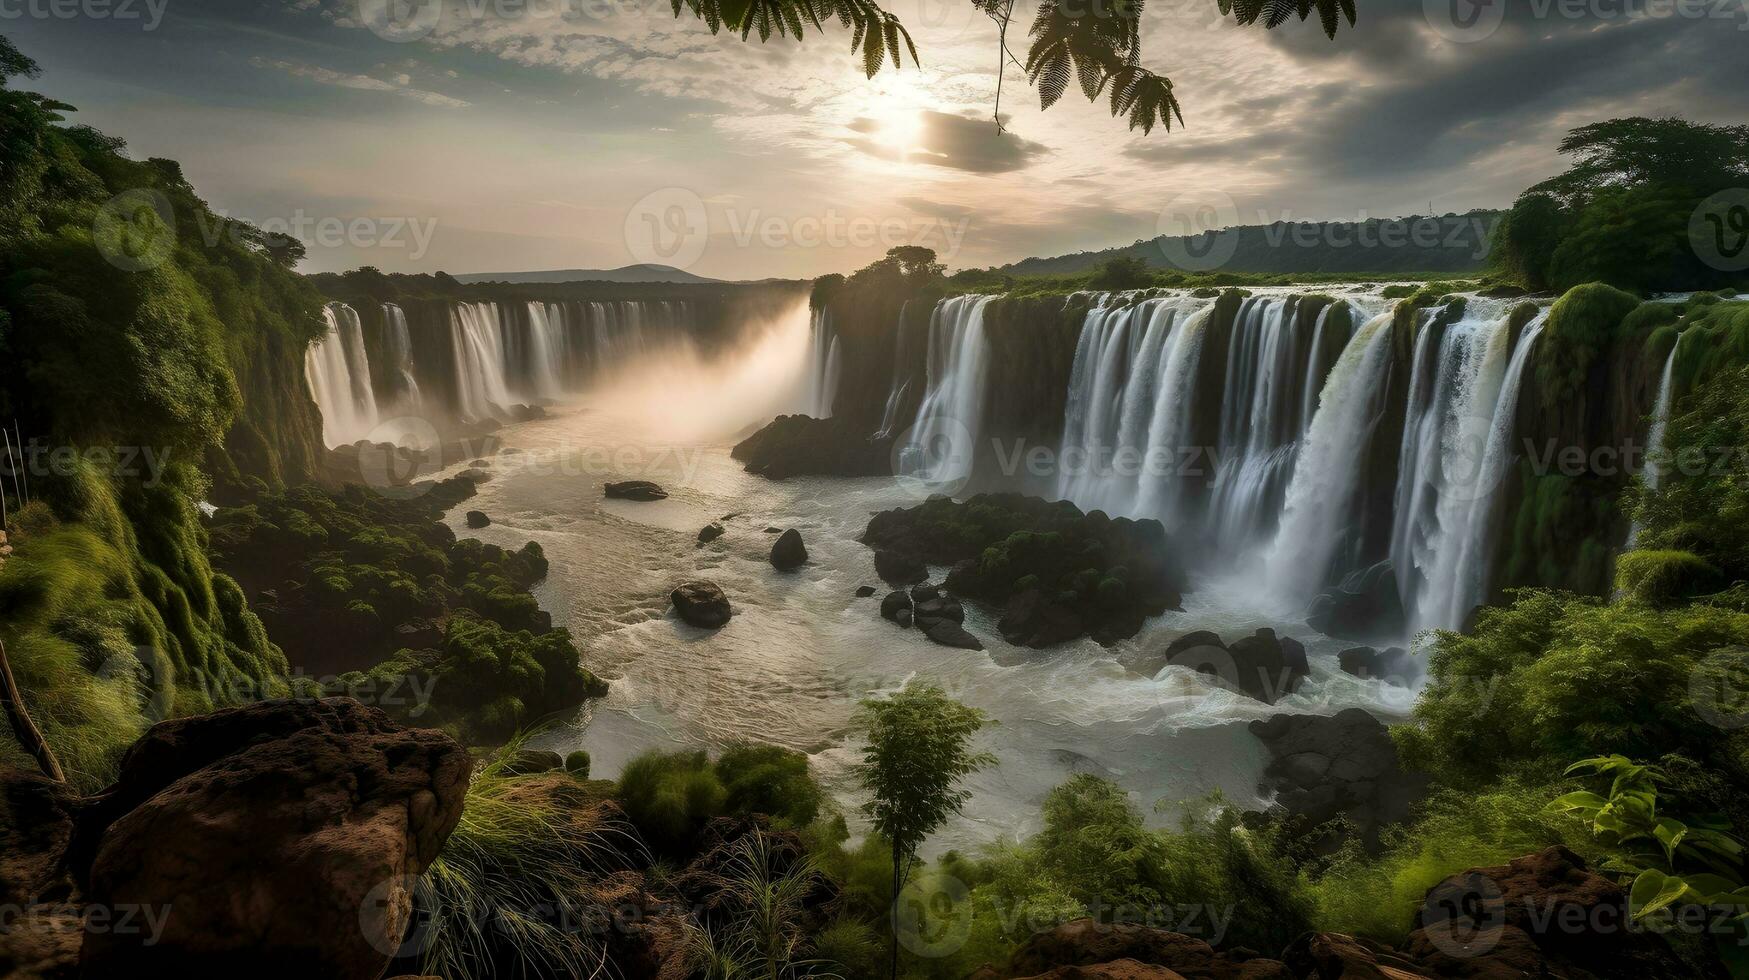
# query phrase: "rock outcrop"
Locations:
[[280, 839], [702, 604], [797, 445], [789, 552], [709, 533], [1263, 665], [640, 490], [1365, 605], [1393, 665], [1346, 765], [477, 519]]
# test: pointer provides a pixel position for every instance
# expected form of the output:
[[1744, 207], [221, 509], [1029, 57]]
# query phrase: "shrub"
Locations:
[[577, 764], [1665, 577], [771, 780], [669, 797]]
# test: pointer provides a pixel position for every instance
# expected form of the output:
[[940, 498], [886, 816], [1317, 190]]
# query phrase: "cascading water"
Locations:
[[1319, 510], [1260, 425], [1458, 377], [548, 347], [481, 389], [1477, 532], [944, 437], [338, 373], [1653, 475], [901, 376], [824, 371], [398, 344]]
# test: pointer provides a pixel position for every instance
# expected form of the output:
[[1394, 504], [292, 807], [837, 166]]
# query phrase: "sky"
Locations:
[[478, 136]]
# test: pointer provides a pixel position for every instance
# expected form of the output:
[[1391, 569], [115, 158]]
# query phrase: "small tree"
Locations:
[[918, 751]]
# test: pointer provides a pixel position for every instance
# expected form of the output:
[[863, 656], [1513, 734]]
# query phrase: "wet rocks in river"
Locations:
[[949, 633], [639, 490], [1393, 665], [477, 519], [899, 566], [1033, 619], [896, 603], [789, 552], [529, 762], [864, 591], [702, 604], [709, 533], [1263, 666], [793, 445], [1365, 605]]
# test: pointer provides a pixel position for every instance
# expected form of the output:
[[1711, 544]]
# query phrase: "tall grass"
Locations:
[[762, 936]]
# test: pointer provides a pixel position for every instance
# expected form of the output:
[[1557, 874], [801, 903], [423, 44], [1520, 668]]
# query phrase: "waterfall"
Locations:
[[1654, 471], [823, 376], [1477, 533], [1122, 421], [478, 335], [547, 348], [1161, 490], [943, 439], [901, 377], [338, 373], [398, 344], [1455, 395], [1319, 509], [1259, 434]]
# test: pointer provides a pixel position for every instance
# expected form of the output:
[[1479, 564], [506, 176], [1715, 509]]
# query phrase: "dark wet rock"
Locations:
[[1263, 665], [896, 603], [1033, 619], [639, 490], [903, 617], [1518, 920], [477, 519], [1364, 606], [898, 566], [789, 552], [864, 591], [950, 634], [1344, 765], [774, 530], [478, 475], [531, 762], [285, 834], [796, 445], [709, 533], [1110, 573], [701, 604], [1394, 665], [940, 608], [479, 462]]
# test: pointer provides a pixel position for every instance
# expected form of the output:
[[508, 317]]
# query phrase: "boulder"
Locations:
[[286, 834], [928, 612], [1033, 619], [898, 566], [639, 490], [1393, 665], [1329, 954], [864, 591], [1344, 765], [896, 603], [701, 604], [948, 633], [36, 827], [793, 445], [1115, 970], [789, 552], [1086, 942], [1262, 665], [477, 519], [709, 533], [1517, 920], [1364, 606]]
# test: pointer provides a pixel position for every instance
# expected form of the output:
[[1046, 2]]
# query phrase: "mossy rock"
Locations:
[[1663, 577]]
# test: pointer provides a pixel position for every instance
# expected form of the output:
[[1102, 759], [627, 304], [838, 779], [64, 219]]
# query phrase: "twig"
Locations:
[[25, 729]]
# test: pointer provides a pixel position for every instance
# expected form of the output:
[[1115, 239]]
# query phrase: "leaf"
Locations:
[[1654, 890], [1580, 801]]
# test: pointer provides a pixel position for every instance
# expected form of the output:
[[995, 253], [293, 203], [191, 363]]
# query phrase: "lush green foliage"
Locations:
[[1621, 214], [670, 796]]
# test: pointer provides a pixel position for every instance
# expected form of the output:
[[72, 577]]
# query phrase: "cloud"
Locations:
[[400, 83], [954, 141]]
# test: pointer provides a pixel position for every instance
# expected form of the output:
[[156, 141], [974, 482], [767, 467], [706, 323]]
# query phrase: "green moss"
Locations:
[[1581, 326], [1667, 576]]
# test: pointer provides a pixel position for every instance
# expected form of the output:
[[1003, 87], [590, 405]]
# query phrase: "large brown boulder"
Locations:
[[1088, 943], [276, 840], [40, 931], [1543, 915]]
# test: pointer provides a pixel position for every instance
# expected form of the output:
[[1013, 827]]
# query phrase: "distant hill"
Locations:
[[630, 273], [1456, 243]]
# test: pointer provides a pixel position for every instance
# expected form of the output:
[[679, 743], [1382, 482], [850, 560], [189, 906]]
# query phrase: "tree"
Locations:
[[1121, 272], [918, 751], [1526, 238], [1095, 42], [1636, 151]]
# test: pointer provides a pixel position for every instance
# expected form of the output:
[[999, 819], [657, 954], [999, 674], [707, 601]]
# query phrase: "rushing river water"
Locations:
[[802, 650]]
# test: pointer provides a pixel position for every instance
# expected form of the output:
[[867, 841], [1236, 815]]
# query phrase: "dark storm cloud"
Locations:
[[953, 141]]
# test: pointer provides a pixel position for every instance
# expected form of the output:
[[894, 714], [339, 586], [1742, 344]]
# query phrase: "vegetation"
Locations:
[[671, 796], [1622, 213], [1099, 46]]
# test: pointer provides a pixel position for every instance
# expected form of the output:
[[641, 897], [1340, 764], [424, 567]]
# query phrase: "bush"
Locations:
[[771, 780], [1665, 577], [669, 797], [577, 764]]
